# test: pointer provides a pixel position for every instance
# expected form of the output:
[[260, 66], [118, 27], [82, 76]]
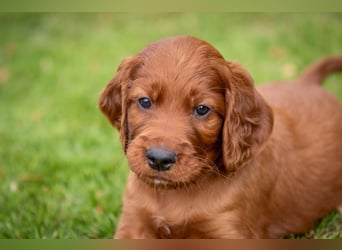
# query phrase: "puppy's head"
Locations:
[[182, 111]]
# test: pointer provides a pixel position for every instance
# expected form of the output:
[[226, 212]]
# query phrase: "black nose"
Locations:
[[160, 159]]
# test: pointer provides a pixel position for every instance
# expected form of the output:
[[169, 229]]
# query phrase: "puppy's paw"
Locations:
[[339, 208]]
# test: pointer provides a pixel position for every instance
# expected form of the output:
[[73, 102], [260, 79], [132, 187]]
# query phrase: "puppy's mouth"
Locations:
[[158, 182], [160, 168]]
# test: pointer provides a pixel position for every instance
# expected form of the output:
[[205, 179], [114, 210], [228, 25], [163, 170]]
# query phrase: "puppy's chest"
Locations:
[[163, 228], [178, 218], [177, 222]]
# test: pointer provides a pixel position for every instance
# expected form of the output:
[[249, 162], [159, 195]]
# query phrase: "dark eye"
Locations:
[[201, 110], [145, 103]]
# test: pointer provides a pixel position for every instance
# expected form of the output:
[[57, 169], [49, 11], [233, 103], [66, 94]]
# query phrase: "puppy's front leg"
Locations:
[[131, 226]]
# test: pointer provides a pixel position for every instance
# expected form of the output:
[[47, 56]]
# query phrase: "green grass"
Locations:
[[62, 170]]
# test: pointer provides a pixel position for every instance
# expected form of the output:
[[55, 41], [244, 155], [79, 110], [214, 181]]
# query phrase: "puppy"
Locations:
[[211, 156]]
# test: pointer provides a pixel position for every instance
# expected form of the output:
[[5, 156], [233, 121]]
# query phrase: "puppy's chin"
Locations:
[[161, 183], [166, 181]]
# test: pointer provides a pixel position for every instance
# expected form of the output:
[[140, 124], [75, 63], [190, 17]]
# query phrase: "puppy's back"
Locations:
[[307, 133]]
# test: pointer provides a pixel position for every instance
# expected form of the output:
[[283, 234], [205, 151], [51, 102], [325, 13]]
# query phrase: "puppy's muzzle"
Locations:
[[160, 159]]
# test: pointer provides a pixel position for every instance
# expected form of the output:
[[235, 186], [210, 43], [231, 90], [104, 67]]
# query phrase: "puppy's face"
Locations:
[[173, 104], [174, 123]]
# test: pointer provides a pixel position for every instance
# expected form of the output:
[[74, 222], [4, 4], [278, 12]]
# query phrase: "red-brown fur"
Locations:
[[263, 163]]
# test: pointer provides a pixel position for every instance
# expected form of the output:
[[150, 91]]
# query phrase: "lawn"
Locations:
[[62, 170]]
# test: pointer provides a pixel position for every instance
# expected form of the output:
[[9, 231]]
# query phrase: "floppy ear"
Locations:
[[112, 101], [248, 119]]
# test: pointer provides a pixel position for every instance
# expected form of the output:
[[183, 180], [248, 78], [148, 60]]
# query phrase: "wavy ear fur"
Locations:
[[112, 101], [248, 119]]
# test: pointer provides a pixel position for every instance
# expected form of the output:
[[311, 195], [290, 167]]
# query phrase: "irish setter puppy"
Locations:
[[211, 156]]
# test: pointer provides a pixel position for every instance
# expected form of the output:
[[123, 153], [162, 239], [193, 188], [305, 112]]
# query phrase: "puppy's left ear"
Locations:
[[112, 101], [248, 118]]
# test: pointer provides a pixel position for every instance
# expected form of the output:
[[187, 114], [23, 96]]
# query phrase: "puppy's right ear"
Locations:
[[249, 119], [112, 101]]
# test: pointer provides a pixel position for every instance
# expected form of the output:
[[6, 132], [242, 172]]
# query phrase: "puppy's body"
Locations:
[[280, 179], [294, 181]]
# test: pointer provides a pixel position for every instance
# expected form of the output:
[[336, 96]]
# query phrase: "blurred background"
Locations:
[[62, 170]]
